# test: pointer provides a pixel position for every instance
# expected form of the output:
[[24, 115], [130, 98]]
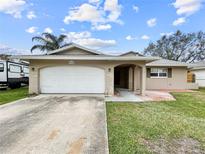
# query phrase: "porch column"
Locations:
[[34, 80], [109, 81], [131, 78], [143, 80]]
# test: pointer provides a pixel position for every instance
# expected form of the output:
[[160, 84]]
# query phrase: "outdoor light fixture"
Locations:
[[109, 69], [33, 69]]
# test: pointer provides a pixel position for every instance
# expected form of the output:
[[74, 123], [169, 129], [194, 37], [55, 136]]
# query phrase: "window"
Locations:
[[15, 68], [26, 70], [159, 72], [1, 67]]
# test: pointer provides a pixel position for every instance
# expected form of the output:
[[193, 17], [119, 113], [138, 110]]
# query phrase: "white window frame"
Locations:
[[12, 68], [26, 70], [2, 66], [158, 71]]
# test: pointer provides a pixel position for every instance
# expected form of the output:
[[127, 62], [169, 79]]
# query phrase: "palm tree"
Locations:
[[49, 42]]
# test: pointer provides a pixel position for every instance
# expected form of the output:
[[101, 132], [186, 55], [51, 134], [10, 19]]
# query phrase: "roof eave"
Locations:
[[108, 58], [167, 65]]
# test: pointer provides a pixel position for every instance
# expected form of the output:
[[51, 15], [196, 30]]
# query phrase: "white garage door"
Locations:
[[200, 77], [72, 79]]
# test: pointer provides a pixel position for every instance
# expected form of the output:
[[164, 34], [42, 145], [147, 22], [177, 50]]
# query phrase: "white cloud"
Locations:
[[187, 7], [110, 11], [85, 38], [152, 22], [167, 34], [145, 37], [130, 38], [101, 27], [85, 12], [31, 15], [31, 29], [5, 49], [94, 1], [62, 30], [48, 30], [136, 8], [115, 10], [72, 36], [179, 21], [12, 7], [96, 43]]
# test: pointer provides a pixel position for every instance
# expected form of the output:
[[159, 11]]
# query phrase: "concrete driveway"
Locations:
[[55, 125]]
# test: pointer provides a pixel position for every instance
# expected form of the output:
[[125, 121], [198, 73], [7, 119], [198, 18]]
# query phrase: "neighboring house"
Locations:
[[76, 69], [4, 57], [199, 70]]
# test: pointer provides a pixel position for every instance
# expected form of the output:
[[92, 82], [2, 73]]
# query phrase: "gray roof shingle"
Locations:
[[166, 62]]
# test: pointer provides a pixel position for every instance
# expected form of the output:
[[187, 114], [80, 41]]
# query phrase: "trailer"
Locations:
[[13, 74]]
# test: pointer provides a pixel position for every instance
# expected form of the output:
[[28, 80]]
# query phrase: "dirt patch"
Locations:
[[175, 146], [53, 134], [76, 147], [157, 96]]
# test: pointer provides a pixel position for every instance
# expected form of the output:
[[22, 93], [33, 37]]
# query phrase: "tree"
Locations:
[[179, 46], [49, 42]]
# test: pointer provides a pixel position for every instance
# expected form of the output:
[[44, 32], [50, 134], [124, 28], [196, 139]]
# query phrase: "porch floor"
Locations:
[[125, 95]]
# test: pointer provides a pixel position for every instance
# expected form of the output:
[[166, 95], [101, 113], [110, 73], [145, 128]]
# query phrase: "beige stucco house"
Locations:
[[76, 69]]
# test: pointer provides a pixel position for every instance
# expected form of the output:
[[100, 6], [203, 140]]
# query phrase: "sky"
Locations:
[[111, 26]]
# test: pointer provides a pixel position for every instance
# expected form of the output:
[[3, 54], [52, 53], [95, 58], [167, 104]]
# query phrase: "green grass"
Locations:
[[131, 126], [10, 95]]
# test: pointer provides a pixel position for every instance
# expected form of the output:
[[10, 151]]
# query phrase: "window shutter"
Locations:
[[169, 72], [148, 72]]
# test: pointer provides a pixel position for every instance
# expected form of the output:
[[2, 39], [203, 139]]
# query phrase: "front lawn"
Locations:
[[10, 95], [158, 127]]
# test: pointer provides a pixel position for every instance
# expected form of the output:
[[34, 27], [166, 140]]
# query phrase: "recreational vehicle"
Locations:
[[13, 74]]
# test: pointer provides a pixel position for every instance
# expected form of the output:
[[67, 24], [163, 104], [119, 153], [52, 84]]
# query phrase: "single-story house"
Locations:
[[76, 69], [198, 69]]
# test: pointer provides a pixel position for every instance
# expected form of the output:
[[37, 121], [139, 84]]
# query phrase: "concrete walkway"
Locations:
[[124, 96], [54, 125]]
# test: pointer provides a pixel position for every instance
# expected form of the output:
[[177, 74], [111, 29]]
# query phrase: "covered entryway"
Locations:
[[72, 79], [131, 77], [124, 76]]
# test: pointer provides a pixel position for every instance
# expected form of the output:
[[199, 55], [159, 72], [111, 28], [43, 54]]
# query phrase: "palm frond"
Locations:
[[48, 42], [39, 39], [52, 38], [61, 38], [38, 46]]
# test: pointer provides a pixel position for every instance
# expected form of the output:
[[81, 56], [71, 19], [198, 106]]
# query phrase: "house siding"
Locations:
[[108, 66], [177, 81]]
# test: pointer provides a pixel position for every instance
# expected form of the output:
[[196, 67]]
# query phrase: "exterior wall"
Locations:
[[200, 77], [137, 76], [177, 81], [74, 52], [36, 65]]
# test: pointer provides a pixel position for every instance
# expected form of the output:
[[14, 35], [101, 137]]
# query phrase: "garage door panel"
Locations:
[[72, 79]]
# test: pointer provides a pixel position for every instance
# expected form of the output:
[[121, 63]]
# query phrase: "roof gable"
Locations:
[[74, 49], [131, 53]]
